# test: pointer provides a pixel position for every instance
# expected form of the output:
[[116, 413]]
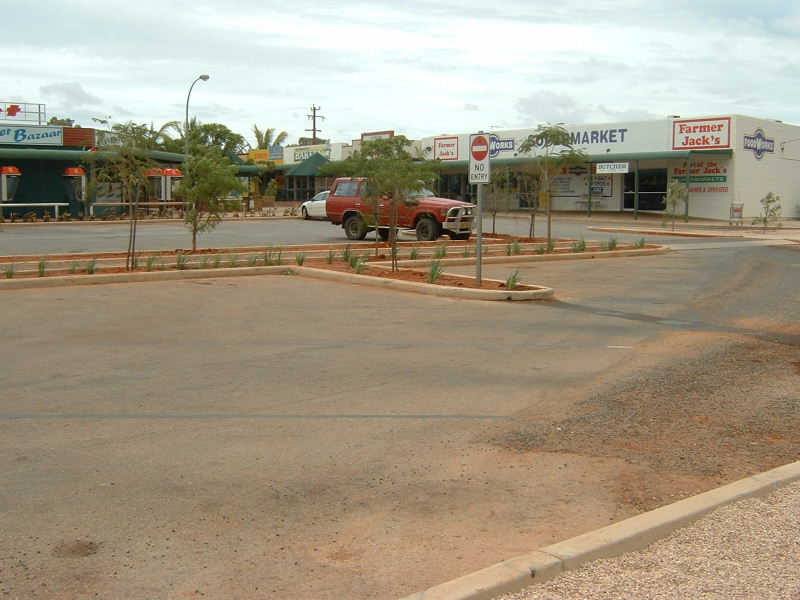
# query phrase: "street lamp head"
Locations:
[[204, 77]]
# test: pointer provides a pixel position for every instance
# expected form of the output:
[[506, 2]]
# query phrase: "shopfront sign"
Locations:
[[612, 167], [31, 135], [497, 145], [701, 134], [300, 154], [445, 148], [759, 144], [376, 135], [703, 176]]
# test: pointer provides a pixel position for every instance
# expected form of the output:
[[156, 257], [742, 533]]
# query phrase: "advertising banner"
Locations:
[[31, 135]]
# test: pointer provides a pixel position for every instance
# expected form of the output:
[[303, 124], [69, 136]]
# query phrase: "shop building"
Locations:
[[728, 161]]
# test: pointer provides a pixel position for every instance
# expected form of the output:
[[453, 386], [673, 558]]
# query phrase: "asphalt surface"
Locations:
[[69, 237], [272, 437]]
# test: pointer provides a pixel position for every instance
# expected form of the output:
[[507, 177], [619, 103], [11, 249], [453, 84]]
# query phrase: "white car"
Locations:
[[315, 208]]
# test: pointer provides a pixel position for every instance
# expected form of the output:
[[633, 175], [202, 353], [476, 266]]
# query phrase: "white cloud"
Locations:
[[69, 93], [419, 68]]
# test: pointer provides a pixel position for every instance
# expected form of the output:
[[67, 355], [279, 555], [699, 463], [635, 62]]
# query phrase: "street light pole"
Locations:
[[186, 123]]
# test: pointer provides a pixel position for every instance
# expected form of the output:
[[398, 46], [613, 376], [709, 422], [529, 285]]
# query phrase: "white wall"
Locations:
[[777, 171]]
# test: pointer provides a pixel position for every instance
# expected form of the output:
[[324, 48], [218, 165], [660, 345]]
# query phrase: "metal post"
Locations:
[[479, 234], [636, 192], [590, 190], [688, 186], [186, 123]]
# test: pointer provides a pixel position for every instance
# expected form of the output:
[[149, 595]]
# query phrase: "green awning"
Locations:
[[606, 157], [87, 155], [309, 167]]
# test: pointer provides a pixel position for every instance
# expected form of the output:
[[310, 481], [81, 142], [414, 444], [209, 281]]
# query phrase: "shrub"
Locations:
[[435, 271], [512, 280], [579, 246], [42, 266]]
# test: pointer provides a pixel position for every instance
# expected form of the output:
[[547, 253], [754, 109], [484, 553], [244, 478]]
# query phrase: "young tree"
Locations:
[[771, 211], [552, 148], [496, 197], [124, 150], [529, 189], [393, 175], [677, 195], [208, 179]]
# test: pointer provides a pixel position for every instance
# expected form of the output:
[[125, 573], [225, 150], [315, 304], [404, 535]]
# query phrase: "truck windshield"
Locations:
[[422, 193]]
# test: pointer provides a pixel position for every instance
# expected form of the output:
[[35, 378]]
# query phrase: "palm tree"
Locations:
[[265, 139]]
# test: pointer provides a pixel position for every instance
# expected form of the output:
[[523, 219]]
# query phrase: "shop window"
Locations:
[[652, 189]]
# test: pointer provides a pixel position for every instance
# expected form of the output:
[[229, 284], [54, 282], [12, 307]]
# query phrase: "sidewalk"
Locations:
[[741, 540]]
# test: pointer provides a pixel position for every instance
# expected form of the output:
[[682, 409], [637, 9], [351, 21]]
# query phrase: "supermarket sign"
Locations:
[[701, 134]]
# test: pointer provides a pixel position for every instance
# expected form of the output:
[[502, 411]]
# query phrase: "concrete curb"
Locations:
[[697, 234], [139, 276], [538, 293], [631, 534]]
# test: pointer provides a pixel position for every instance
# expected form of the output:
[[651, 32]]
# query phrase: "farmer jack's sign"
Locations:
[[697, 134]]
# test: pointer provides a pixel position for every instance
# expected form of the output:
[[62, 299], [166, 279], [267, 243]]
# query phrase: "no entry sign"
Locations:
[[479, 169]]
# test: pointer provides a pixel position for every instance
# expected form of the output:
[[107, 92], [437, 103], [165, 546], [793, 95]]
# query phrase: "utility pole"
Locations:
[[313, 116]]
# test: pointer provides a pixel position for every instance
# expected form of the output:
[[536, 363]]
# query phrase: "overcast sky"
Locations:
[[417, 67]]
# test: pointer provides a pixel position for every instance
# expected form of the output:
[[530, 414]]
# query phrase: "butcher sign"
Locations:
[[479, 171]]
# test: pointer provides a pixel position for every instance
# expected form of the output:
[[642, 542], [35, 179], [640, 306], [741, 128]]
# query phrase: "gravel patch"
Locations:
[[745, 550]]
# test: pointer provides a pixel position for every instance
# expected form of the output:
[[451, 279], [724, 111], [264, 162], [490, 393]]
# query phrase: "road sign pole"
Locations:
[[479, 235], [479, 174]]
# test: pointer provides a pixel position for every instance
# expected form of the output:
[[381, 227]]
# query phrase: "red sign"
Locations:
[[479, 148]]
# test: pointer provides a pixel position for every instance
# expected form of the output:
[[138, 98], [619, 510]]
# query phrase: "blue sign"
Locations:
[[496, 145], [759, 144]]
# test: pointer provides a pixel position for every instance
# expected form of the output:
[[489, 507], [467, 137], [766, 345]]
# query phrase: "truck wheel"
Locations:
[[427, 230], [354, 228], [383, 233], [459, 236]]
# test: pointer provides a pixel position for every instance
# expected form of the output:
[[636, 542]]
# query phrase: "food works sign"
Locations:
[[759, 144]]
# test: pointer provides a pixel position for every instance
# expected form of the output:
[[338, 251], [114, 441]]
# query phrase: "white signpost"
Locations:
[[479, 173]]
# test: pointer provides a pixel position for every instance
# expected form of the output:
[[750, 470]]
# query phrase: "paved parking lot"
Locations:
[[291, 438]]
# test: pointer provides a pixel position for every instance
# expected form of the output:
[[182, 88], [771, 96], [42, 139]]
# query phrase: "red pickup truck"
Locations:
[[348, 205]]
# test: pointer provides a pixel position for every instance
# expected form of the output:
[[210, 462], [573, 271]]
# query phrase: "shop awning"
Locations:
[[309, 167], [85, 155], [606, 157]]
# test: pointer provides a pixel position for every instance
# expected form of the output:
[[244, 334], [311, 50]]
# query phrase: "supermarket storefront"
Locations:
[[726, 160]]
